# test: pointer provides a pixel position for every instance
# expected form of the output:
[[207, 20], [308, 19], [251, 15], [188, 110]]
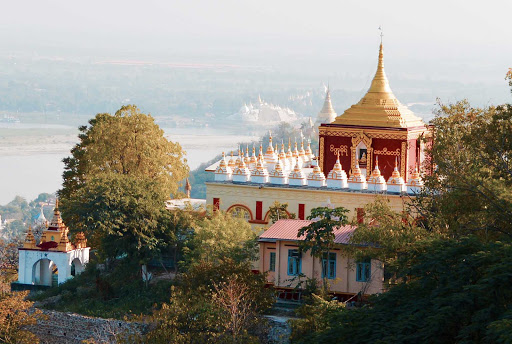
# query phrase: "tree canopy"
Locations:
[[129, 143]]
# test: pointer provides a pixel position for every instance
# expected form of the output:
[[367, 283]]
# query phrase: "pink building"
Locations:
[[285, 265]]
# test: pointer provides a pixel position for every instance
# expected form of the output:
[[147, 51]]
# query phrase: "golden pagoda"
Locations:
[[379, 107]]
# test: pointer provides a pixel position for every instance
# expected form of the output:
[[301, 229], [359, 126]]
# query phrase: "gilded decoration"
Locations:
[[321, 150], [373, 133], [403, 160], [385, 151], [342, 150], [362, 137]]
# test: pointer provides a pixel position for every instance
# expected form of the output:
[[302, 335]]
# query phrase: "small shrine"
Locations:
[[55, 258]]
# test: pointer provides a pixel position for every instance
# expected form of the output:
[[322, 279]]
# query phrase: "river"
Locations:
[[30, 165]]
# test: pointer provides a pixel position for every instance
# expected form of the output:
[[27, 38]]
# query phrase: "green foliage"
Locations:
[[120, 214], [117, 292], [222, 235], [278, 211], [384, 233], [452, 291], [314, 317], [319, 235], [217, 302], [469, 190], [127, 143]]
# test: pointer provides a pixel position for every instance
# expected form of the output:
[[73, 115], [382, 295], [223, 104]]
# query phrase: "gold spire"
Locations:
[[379, 107], [231, 162], [30, 241]]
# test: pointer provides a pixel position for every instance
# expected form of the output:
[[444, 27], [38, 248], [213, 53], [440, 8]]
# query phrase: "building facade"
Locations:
[[375, 147], [286, 266]]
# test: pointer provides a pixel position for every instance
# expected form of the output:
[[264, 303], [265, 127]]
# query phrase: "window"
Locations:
[[363, 270], [240, 212], [329, 265], [272, 266], [293, 262]]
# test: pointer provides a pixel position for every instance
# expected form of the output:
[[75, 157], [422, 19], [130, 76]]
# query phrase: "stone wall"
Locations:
[[70, 328]]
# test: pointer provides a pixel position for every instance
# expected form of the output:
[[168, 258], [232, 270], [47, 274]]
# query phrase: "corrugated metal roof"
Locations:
[[288, 229]]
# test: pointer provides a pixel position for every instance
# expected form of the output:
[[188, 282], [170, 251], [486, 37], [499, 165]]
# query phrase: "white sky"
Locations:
[[470, 40], [434, 27]]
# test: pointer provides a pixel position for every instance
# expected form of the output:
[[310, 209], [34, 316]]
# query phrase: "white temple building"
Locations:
[[265, 114], [54, 259]]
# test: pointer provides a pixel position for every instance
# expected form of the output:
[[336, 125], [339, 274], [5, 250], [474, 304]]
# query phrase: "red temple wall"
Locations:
[[383, 148], [330, 156]]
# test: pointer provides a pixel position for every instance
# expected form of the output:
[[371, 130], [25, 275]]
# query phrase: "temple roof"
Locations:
[[379, 107]]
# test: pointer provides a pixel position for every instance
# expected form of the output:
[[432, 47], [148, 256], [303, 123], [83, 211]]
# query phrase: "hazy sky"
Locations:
[[437, 28], [435, 39]]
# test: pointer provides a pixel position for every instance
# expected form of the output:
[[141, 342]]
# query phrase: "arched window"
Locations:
[[240, 211]]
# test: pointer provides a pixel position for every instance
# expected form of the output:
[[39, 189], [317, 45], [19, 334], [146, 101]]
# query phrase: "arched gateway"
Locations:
[[55, 259]]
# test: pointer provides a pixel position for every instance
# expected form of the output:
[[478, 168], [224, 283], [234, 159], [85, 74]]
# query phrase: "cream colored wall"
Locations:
[[247, 195], [345, 281]]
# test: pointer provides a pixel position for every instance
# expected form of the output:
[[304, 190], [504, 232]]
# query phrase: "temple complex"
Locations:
[[55, 258], [374, 147]]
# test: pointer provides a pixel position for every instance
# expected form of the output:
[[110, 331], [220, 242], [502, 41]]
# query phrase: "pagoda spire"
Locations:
[[327, 114], [380, 83], [379, 107]]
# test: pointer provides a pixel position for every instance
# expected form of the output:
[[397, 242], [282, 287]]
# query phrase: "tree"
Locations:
[[9, 257], [278, 211], [120, 215], [453, 290], [15, 315], [389, 232], [470, 188], [128, 143], [222, 235], [319, 235], [213, 302]]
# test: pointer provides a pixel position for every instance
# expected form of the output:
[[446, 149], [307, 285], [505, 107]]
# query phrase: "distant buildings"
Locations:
[[264, 114]]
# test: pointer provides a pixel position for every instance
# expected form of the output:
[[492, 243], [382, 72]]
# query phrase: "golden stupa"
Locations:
[[379, 107]]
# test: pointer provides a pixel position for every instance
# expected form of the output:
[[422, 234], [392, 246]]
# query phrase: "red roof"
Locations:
[[288, 229]]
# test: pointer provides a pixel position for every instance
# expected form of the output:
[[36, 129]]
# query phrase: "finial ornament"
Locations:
[[381, 33]]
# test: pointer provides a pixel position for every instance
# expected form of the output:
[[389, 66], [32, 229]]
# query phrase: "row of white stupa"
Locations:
[[290, 169]]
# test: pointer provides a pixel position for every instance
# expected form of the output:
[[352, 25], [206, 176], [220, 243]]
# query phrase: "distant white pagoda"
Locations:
[[327, 114]]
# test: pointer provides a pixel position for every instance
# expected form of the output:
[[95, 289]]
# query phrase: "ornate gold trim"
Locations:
[[362, 137], [321, 152], [385, 151], [403, 162], [342, 150], [371, 133]]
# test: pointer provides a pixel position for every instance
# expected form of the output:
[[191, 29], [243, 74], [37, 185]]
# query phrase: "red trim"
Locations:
[[301, 211], [216, 204], [360, 215], [259, 222], [259, 210], [241, 206]]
